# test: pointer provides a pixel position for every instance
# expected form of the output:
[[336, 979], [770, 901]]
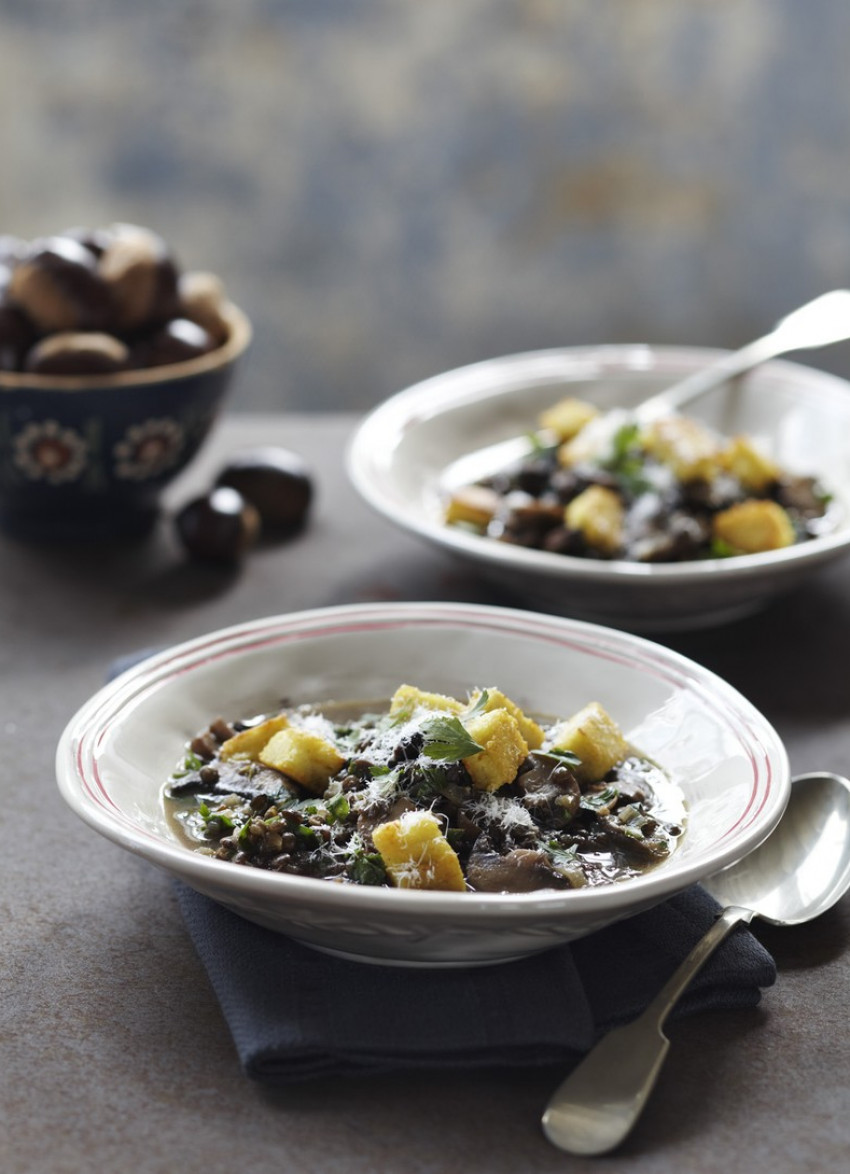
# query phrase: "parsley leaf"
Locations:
[[565, 756], [338, 807], [367, 868], [426, 782], [215, 821], [626, 460], [600, 802], [561, 855], [190, 764], [721, 549], [480, 705], [537, 443], [308, 834], [566, 861], [447, 740]]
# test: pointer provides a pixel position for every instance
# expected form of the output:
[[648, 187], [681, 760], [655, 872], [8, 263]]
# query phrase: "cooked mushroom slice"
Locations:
[[232, 777], [802, 495], [680, 536], [521, 870], [550, 789], [527, 524], [382, 811], [638, 834]]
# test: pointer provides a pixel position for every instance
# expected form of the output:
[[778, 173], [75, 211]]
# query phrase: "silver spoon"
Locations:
[[818, 323], [799, 872]]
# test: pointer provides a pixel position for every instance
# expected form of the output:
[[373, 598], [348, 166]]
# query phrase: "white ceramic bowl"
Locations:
[[417, 445], [117, 752]]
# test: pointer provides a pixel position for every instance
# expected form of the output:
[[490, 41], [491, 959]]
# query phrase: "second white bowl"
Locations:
[[416, 446]]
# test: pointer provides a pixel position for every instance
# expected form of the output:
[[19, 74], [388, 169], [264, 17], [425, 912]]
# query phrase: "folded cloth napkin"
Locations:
[[296, 1013]]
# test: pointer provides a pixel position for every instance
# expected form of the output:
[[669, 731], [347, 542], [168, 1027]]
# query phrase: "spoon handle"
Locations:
[[818, 323], [597, 1105], [721, 371]]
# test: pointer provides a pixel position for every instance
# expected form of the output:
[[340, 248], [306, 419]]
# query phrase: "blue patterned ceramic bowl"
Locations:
[[86, 457]]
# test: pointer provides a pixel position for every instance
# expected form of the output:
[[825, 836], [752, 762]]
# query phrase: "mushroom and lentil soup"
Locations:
[[602, 485], [427, 792]]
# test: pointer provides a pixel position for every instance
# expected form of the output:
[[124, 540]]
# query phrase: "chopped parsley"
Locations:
[[565, 756], [447, 739], [721, 549], [600, 802], [191, 763], [627, 460], [367, 868], [338, 807]]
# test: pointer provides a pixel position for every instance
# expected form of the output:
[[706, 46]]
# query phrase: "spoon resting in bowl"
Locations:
[[817, 323], [799, 872]]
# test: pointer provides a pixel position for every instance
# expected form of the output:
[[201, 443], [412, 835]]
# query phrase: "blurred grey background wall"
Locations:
[[394, 187]]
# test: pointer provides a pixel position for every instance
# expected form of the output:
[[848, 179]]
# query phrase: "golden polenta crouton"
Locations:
[[598, 513], [690, 449], [752, 526], [473, 504], [587, 445], [408, 698], [416, 854], [530, 730], [753, 469], [595, 738], [567, 417], [248, 743], [504, 748], [303, 756]]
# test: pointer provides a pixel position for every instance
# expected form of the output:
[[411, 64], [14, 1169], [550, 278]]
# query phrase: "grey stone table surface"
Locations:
[[113, 1051]]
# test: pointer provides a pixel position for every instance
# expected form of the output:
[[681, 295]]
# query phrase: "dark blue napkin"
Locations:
[[296, 1013]]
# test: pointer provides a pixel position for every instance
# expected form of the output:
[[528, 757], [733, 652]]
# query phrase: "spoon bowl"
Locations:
[[801, 870], [804, 867]]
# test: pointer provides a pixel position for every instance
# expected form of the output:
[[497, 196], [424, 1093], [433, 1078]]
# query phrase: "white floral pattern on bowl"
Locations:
[[47, 451], [148, 449]]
